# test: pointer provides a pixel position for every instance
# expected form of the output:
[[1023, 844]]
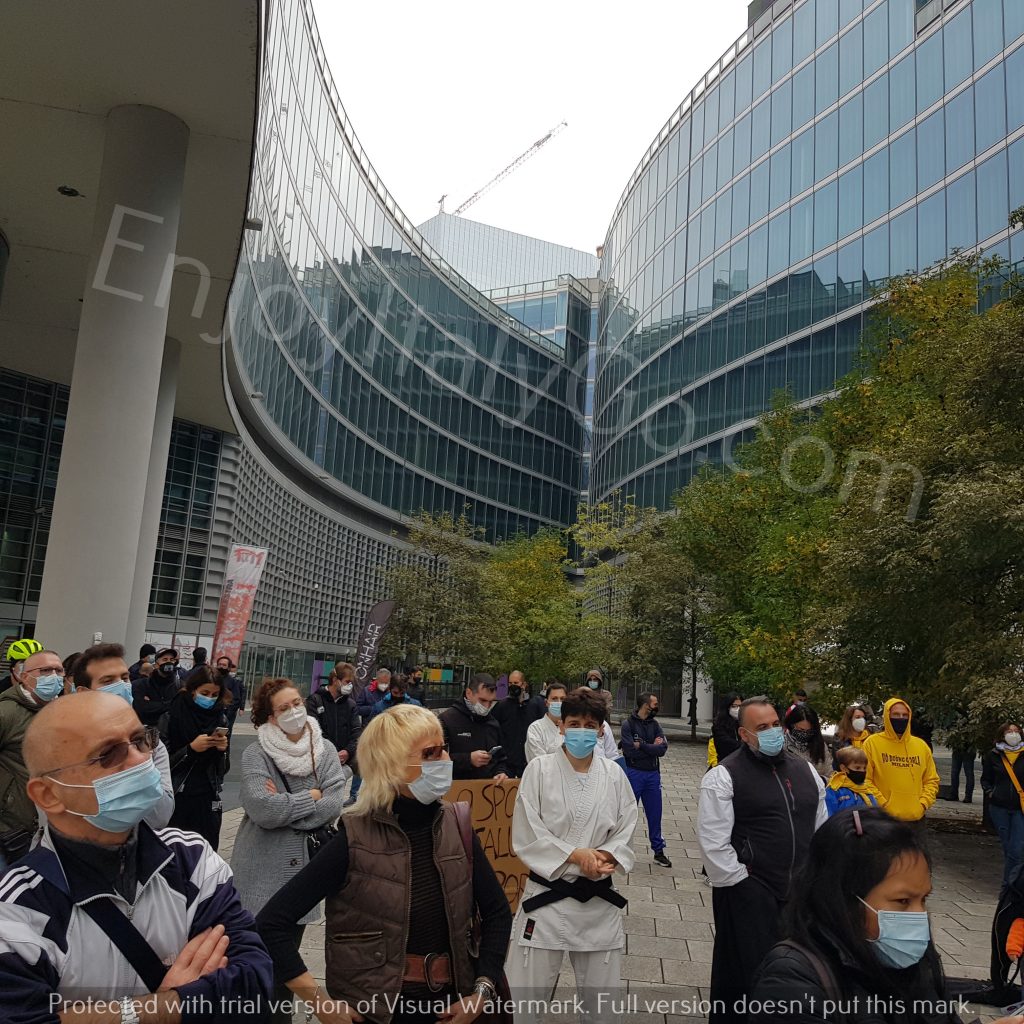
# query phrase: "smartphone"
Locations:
[[221, 730], [495, 751]]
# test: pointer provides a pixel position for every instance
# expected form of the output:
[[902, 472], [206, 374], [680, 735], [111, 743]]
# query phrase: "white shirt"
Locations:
[[545, 737], [715, 821]]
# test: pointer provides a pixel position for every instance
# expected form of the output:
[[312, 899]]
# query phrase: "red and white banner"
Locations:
[[245, 567]]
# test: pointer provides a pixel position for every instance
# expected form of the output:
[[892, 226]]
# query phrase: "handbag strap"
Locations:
[[129, 940], [1014, 780], [826, 978]]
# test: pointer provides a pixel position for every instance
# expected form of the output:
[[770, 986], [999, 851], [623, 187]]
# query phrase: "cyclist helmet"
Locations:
[[22, 649]]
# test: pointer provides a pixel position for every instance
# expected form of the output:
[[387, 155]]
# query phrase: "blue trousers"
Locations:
[[647, 789], [1010, 828]]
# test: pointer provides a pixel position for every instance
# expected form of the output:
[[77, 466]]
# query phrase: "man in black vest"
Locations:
[[758, 810]]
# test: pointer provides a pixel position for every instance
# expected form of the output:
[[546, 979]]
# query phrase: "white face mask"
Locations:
[[1011, 739], [345, 688], [479, 709], [858, 724], [735, 712], [593, 683], [292, 721]]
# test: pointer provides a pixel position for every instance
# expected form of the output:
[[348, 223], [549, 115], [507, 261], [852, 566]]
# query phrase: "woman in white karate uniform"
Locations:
[[573, 823]]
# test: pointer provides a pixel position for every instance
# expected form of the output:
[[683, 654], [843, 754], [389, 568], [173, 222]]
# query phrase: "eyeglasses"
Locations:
[[58, 671], [117, 753]]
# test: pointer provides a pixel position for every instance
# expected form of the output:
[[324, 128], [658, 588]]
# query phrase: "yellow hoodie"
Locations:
[[902, 769]]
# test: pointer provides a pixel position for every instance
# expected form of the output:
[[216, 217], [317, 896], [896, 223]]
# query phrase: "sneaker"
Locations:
[[660, 858]]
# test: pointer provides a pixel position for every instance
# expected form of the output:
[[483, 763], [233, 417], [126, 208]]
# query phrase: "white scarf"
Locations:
[[293, 758]]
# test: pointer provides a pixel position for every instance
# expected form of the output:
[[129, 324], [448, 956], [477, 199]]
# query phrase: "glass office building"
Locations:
[[836, 143], [387, 379]]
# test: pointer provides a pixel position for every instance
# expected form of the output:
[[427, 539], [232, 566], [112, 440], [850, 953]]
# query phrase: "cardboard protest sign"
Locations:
[[493, 804]]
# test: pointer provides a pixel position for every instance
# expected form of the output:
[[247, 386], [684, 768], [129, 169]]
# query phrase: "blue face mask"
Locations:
[[769, 741], [48, 687], [580, 742], [903, 936], [123, 798], [119, 688], [205, 702], [555, 709], [434, 781]]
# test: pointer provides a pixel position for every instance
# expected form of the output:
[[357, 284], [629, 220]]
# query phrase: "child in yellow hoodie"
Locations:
[[900, 766], [848, 786]]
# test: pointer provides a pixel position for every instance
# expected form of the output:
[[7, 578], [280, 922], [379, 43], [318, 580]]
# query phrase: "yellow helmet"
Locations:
[[22, 649]]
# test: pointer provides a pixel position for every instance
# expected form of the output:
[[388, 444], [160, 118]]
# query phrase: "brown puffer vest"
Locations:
[[368, 919]]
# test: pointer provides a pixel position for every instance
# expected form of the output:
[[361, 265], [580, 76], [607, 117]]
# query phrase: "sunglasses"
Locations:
[[435, 752], [117, 753]]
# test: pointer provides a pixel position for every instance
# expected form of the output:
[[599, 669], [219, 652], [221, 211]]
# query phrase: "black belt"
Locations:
[[581, 889]]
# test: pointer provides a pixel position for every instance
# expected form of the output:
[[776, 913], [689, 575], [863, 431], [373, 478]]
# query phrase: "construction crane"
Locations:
[[502, 175]]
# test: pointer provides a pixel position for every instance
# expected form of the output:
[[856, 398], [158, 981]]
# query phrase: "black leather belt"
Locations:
[[580, 889]]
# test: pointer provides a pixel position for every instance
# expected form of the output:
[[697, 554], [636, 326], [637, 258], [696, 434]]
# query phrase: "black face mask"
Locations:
[[801, 737], [514, 691], [168, 668], [652, 712], [223, 671], [899, 725], [857, 777]]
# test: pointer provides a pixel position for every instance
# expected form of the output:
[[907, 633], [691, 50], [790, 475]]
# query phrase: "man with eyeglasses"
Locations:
[[41, 680], [134, 923]]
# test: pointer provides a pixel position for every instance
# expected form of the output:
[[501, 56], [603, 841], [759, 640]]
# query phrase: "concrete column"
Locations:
[[105, 468], [154, 496]]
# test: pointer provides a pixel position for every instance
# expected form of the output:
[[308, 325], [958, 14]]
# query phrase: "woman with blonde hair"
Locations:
[[402, 881]]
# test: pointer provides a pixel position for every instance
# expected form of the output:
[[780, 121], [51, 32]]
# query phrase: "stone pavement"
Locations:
[[669, 931]]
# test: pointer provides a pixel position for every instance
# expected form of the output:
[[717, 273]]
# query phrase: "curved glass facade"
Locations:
[[835, 144], [380, 369]]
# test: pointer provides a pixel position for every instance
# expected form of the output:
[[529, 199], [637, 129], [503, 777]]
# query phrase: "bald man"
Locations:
[[40, 681], [99, 908], [515, 716]]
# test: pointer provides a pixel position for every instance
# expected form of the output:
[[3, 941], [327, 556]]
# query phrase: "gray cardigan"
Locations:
[[269, 850]]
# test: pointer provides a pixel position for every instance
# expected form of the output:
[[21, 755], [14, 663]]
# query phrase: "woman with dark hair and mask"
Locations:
[[724, 729], [804, 739], [857, 932]]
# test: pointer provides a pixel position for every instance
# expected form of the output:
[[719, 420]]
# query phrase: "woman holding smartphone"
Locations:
[[195, 731]]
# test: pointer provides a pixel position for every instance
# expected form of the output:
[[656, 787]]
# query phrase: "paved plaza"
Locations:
[[669, 922]]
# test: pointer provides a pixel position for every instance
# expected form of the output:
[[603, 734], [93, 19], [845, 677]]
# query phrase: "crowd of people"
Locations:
[[116, 907]]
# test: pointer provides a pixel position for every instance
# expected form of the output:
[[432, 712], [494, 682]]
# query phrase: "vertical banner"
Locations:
[[492, 806], [245, 567], [369, 641]]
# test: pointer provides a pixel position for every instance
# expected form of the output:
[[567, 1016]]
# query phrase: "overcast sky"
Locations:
[[444, 94]]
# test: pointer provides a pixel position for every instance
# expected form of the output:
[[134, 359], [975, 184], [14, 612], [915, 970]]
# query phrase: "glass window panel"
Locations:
[[756, 321], [801, 222], [738, 268], [931, 150], [826, 146], [823, 361], [929, 72], [743, 84], [774, 373], [696, 130], [778, 243], [803, 31], [850, 274], [958, 52], [902, 93], [931, 230], [723, 219], [826, 78], [725, 168], [851, 59], [903, 242], [824, 283], [762, 67], [876, 40], [1016, 160], [1015, 96], [710, 115], [901, 25], [803, 161], [782, 49], [803, 96], [988, 30], [780, 178], [848, 10], [847, 346], [851, 129], [798, 369], [727, 101], [1013, 12], [757, 257], [710, 172], [782, 112], [962, 223], [741, 143], [876, 256], [801, 300], [741, 205], [760, 129], [826, 211], [758, 192], [876, 111], [902, 169], [993, 196], [827, 20], [851, 201], [990, 105], [959, 130], [777, 311]]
